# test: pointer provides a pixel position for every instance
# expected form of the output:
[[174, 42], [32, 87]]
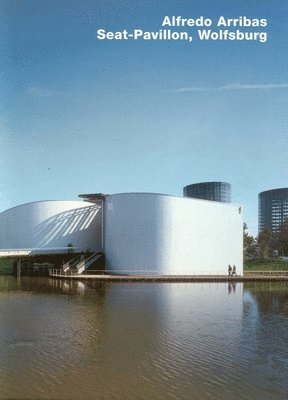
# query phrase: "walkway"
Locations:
[[104, 276]]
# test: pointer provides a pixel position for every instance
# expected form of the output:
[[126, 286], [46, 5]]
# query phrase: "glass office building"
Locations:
[[215, 191], [273, 209]]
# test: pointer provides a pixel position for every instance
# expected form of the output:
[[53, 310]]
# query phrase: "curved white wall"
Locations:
[[52, 224], [172, 235], [143, 232]]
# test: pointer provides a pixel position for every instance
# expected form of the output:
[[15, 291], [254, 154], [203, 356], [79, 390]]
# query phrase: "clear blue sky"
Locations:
[[79, 115]]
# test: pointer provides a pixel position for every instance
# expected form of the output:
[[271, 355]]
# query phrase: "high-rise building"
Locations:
[[272, 209], [215, 191]]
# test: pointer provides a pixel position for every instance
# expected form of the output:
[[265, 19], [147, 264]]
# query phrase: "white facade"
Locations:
[[162, 234], [53, 225], [143, 232]]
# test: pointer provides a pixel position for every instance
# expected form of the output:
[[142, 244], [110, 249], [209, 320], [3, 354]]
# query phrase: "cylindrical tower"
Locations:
[[272, 209], [215, 191]]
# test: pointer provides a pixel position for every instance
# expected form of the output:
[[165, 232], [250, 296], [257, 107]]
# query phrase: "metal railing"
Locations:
[[70, 272], [62, 273], [84, 264]]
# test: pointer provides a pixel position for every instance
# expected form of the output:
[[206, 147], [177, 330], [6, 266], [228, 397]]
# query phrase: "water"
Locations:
[[74, 340]]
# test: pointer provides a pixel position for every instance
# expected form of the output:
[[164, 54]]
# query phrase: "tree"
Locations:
[[282, 239], [266, 244], [249, 244]]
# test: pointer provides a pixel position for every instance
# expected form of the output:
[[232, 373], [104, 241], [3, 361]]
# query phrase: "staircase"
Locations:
[[70, 264], [87, 262]]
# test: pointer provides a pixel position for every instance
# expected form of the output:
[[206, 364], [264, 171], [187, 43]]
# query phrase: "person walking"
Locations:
[[229, 270]]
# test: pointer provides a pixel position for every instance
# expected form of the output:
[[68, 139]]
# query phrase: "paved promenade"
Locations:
[[174, 278]]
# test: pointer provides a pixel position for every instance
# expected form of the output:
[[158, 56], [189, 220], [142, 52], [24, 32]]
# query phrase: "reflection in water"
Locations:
[[265, 331], [231, 287], [67, 339]]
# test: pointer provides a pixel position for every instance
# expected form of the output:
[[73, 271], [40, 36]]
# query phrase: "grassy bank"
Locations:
[[266, 265]]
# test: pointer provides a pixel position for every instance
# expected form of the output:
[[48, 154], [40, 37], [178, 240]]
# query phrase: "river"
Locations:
[[87, 340]]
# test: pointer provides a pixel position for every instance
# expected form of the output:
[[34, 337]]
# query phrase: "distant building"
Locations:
[[272, 209], [215, 191]]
